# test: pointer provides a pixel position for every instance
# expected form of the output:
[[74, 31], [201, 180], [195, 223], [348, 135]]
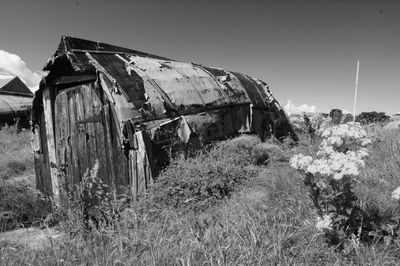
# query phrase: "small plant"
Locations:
[[331, 177], [91, 201]]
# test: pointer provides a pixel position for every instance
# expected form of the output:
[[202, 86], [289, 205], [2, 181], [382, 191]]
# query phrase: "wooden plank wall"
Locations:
[[80, 151], [109, 149], [139, 168], [120, 159], [62, 135], [99, 134], [48, 118], [80, 134], [41, 159], [85, 131]]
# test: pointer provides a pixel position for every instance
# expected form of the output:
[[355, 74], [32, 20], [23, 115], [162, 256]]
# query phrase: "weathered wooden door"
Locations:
[[80, 133]]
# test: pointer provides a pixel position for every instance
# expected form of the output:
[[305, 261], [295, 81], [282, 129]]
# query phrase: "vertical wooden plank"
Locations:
[[67, 150], [109, 148], [99, 135], [133, 173], [62, 134], [81, 129], [57, 128], [140, 163], [73, 140], [48, 115], [90, 131], [148, 177], [121, 159], [46, 178], [38, 162]]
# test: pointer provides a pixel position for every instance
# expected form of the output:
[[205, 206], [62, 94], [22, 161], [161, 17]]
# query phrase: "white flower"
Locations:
[[330, 162], [396, 193], [365, 142], [335, 140], [338, 176], [324, 223], [321, 184], [299, 161]]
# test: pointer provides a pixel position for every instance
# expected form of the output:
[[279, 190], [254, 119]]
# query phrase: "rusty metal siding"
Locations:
[[131, 84], [159, 87], [230, 84], [253, 91]]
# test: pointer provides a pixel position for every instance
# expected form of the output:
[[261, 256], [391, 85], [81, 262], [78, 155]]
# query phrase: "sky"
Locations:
[[306, 50]]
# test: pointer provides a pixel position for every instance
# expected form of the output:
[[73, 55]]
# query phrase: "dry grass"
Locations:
[[268, 221], [16, 156], [20, 205]]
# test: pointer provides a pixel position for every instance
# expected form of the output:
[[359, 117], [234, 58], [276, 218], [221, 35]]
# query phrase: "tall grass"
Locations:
[[16, 157], [266, 219], [20, 203]]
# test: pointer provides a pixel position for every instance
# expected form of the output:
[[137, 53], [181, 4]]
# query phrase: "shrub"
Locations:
[[26, 206], [372, 117], [200, 182]]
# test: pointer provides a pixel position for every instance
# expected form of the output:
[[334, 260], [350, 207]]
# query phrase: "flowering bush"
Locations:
[[331, 176]]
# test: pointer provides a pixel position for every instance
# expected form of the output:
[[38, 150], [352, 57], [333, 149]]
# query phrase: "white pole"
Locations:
[[355, 92]]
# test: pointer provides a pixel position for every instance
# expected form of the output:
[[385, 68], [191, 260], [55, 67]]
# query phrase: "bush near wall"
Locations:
[[200, 182]]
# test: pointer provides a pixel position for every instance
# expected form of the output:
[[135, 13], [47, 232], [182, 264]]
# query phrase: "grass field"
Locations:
[[239, 203]]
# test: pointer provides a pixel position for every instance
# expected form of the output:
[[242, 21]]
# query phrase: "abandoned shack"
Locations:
[[15, 104], [131, 110]]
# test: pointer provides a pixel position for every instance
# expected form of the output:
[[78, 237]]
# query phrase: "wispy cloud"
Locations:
[[11, 65], [291, 108]]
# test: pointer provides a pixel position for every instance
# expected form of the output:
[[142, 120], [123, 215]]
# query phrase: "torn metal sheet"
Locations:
[[172, 128]]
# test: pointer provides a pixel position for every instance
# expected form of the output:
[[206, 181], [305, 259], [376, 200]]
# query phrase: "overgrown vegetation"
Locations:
[[195, 184], [259, 214]]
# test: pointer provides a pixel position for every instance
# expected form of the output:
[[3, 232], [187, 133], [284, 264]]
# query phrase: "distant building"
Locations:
[[15, 104]]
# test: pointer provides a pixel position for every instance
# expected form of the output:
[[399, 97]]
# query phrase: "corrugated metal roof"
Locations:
[[160, 85], [10, 103]]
